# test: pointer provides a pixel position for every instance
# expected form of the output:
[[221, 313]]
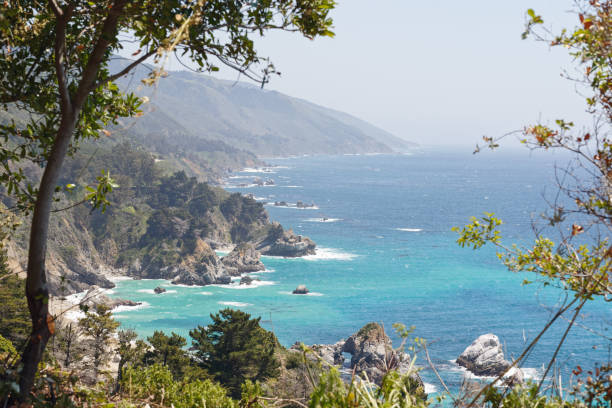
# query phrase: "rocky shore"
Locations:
[[372, 355]]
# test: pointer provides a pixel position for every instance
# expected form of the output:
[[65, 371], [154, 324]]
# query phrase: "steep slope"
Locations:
[[264, 122]]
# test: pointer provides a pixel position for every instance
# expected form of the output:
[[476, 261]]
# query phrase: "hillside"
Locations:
[[246, 117], [157, 226]]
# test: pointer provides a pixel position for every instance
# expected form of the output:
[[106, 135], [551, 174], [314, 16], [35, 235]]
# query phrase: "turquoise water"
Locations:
[[387, 254]]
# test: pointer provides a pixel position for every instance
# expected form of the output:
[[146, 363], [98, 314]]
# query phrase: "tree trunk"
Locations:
[[37, 292]]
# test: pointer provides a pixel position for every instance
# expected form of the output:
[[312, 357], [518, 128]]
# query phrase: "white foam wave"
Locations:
[[236, 304], [430, 388], [258, 170], [264, 271], [206, 293], [323, 219], [323, 254], [528, 372], [292, 186], [118, 278], [108, 292], [255, 284], [182, 285], [123, 308], [292, 206], [409, 229], [149, 291]]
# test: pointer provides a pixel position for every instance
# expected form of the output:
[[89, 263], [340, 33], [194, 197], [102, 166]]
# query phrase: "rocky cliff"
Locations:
[[158, 226]]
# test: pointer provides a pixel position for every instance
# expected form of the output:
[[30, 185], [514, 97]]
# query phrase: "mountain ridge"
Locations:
[[267, 123]]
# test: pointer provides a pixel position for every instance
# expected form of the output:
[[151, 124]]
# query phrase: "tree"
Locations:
[[66, 346], [131, 352], [99, 326], [168, 351], [234, 348], [54, 65], [580, 262]]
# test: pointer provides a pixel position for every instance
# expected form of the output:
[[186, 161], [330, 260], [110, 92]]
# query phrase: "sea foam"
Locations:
[[253, 284], [324, 254], [236, 304], [123, 308], [323, 219]]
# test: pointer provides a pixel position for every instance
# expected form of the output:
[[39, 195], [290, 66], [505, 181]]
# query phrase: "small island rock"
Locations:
[[301, 290], [279, 242], [485, 357], [158, 290]]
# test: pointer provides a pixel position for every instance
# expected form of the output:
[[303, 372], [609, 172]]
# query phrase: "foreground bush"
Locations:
[[155, 384]]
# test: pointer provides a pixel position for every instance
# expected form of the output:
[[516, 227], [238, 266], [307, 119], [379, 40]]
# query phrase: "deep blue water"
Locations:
[[387, 254]]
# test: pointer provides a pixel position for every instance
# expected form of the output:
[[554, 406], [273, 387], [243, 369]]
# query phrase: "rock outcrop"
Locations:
[[372, 354], [96, 296], [285, 243], [200, 267], [246, 280], [159, 290], [300, 290], [244, 258], [485, 357]]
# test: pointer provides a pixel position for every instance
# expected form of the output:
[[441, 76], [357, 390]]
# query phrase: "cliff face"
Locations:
[[170, 243], [157, 226]]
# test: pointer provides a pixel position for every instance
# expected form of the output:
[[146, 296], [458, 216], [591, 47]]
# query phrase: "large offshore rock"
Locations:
[[285, 243], [244, 258], [485, 357]]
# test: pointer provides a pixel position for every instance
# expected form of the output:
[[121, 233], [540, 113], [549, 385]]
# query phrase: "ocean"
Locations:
[[386, 253]]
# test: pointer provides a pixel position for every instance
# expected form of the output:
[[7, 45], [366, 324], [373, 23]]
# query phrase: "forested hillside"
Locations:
[[158, 224]]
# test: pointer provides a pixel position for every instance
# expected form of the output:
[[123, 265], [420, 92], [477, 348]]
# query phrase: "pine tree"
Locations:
[[234, 348], [98, 325]]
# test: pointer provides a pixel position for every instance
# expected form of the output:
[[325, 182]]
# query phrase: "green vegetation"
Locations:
[[14, 317], [55, 60], [234, 348], [98, 326]]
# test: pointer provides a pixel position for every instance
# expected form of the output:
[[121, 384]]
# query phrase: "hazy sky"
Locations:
[[435, 72]]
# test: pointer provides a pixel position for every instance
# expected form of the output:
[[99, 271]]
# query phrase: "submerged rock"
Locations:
[[300, 290], [485, 357], [158, 290], [244, 258], [247, 280]]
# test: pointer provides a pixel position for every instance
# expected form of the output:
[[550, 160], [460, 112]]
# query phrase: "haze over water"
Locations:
[[387, 254]]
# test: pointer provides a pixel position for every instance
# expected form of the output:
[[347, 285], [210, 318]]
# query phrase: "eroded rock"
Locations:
[[485, 357]]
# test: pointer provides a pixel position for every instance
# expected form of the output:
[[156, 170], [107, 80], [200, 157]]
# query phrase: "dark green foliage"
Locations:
[[14, 317], [168, 352], [234, 348]]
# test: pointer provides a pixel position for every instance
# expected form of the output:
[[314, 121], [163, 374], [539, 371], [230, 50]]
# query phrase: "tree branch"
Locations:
[[93, 64], [60, 57], [127, 69]]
